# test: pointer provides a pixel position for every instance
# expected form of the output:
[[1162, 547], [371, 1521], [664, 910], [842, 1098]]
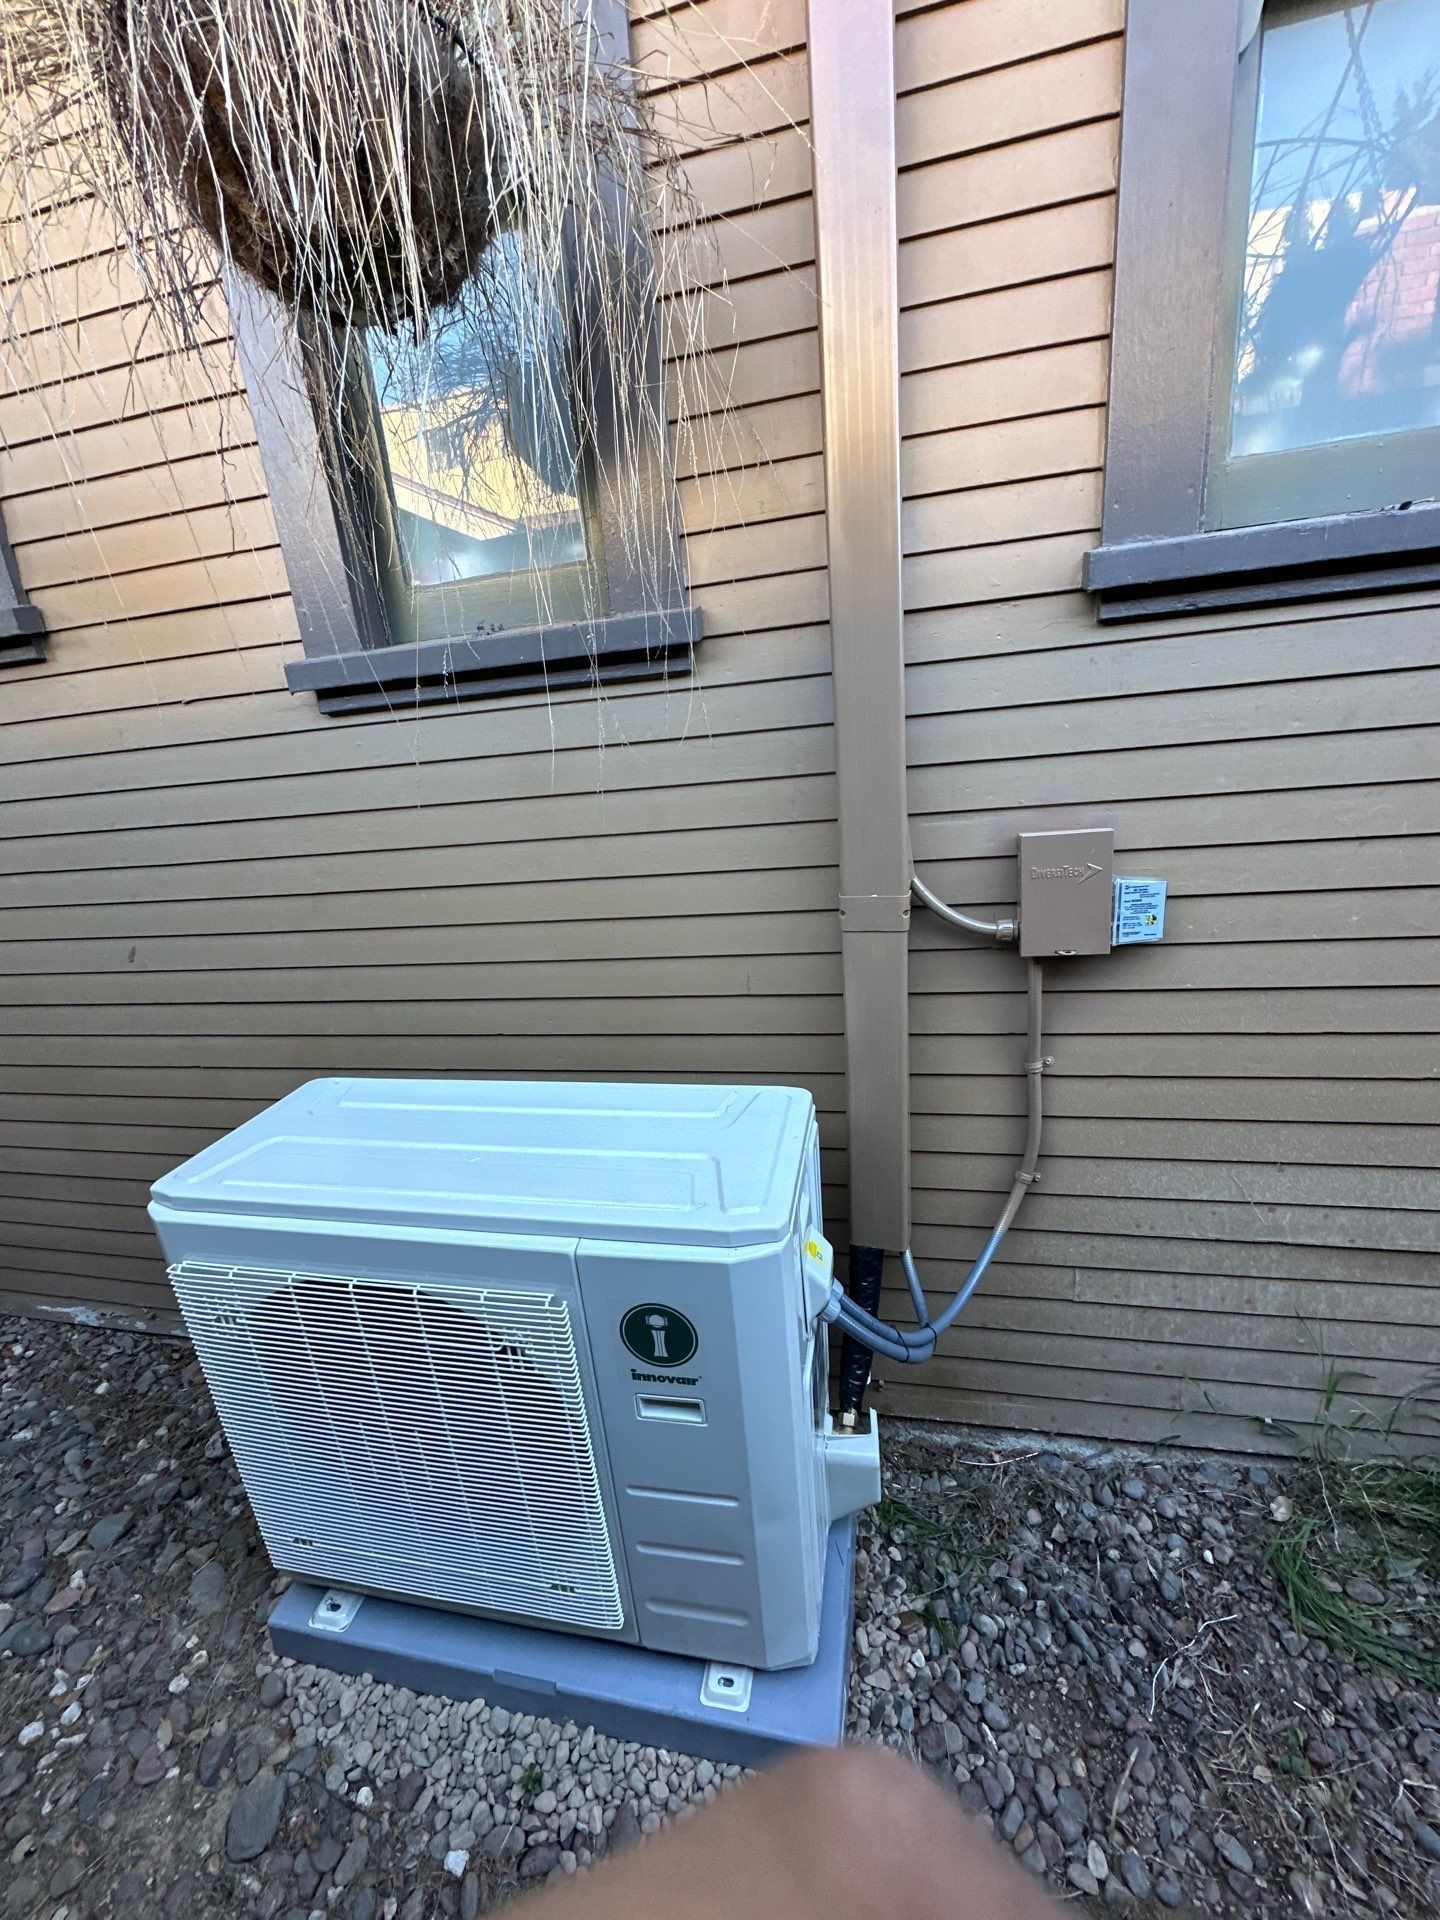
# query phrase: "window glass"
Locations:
[[1337, 333], [477, 435]]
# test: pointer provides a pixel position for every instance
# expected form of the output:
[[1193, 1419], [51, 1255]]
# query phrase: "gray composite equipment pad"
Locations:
[[625, 1691]]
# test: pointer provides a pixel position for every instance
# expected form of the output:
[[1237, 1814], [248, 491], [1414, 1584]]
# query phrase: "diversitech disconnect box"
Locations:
[[1065, 887]]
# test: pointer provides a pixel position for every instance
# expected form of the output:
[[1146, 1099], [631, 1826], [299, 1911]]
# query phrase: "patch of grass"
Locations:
[[1343, 1424], [531, 1781], [952, 1537], [941, 1625], [1298, 1557], [1291, 1756], [1368, 1504], [1397, 1496], [892, 1514]]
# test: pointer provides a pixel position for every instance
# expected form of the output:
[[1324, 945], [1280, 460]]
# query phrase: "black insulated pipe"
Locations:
[[867, 1265]]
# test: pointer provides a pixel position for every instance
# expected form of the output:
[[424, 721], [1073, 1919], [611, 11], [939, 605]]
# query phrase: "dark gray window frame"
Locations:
[[22, 625], [1172, 275], [351, 662]]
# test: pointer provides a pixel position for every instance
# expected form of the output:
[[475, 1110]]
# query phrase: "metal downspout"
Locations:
[[852, 127]]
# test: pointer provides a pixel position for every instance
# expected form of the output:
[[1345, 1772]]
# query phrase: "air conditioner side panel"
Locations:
[[713, 1457]]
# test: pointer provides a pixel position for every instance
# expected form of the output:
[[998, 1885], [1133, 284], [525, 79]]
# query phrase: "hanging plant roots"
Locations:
[[348, 158], [357, 159]]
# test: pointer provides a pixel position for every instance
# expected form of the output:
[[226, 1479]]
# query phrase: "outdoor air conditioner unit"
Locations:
[[545, 1352]]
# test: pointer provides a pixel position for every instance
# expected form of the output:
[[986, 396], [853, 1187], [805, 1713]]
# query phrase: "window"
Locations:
[[22, 630], [475, 462], [1275, 390], [445, 533]]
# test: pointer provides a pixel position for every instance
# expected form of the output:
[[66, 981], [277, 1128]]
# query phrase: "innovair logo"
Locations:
[[660, 1336]]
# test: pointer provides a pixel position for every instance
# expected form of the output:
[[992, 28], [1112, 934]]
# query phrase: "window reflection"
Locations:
[[479, 438], [1338, 328]]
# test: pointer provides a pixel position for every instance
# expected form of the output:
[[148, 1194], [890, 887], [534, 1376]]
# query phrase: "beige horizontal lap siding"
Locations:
[[1241, 1182], [212, 893]]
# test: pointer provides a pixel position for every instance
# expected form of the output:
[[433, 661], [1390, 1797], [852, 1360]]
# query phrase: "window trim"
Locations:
[[621, 645], [22, 625], [1157, 553], [352, 660]]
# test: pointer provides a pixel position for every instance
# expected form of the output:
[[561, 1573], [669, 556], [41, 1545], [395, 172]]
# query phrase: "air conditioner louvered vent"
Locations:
[[416, 1439]]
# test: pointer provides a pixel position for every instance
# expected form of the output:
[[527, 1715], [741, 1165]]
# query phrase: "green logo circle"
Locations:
[[660, 1336]]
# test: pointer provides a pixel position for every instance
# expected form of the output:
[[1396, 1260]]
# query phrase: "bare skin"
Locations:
[[853, 1835]]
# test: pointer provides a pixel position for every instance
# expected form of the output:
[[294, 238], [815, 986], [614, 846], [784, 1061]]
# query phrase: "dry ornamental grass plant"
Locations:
[[359, 159], [354, 159]]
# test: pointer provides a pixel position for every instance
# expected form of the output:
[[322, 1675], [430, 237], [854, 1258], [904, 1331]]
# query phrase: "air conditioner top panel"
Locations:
[[697, 1165]]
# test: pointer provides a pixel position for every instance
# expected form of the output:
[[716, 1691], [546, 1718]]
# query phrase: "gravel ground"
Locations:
[[1091, 1649], [1097, 1653]]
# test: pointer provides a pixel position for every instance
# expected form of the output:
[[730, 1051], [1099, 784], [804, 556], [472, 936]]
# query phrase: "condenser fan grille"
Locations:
[[410, 1438]]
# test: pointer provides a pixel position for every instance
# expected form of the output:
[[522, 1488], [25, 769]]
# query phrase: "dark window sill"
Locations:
[[22, 635], [625, 646], [1257, 566]]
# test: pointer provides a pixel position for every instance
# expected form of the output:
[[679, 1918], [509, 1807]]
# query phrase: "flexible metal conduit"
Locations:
[[856, 1317], [1006, 930]]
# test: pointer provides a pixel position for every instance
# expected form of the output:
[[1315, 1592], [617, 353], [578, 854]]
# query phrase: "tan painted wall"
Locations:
[[212, 893]]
